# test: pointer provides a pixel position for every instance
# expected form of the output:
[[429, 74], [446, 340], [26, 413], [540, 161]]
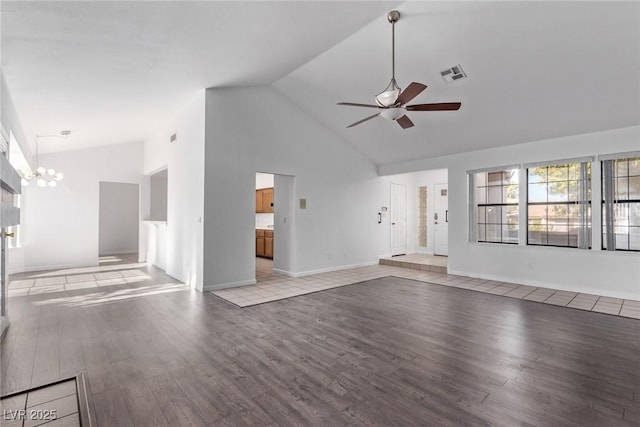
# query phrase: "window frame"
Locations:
[[502, 204], [578, 202], [614, 177]]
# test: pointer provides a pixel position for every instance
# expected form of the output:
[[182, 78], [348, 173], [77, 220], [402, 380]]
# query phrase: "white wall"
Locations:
[[177, 246], [60, 227], [594, 271], [264, 180], [256, 129], [119, 218], [284, 245], [10, 120]]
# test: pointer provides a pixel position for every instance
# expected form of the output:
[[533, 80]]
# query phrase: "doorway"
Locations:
[[265, 225], [398, 219], [274, 224], [118, 219], [441, 220]]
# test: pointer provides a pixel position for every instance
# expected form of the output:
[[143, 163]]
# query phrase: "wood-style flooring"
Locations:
[[386, 352]]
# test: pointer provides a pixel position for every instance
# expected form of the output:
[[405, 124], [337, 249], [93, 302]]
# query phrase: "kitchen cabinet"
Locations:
[[264, 243], [268, 244], [259, 242], [264, 200], [259, 199]]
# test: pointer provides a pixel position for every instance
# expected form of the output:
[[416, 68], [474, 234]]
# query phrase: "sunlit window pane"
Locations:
[[625, 204], [557, 215], [496, 202]]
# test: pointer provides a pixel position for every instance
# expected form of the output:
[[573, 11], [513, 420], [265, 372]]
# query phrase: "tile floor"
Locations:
[[273, 287], [48, 406], [112, 270]]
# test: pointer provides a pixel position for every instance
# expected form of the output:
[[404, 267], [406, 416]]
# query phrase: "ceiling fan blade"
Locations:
[[353, 104], [363, 120], [442, 106], [404, 122], [411, 92]]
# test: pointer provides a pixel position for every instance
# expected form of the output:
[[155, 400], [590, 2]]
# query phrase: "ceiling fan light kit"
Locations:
[[392, 113], [390, 95], [392, 99]]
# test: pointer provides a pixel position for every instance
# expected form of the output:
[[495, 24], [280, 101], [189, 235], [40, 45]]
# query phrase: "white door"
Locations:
[[398, 219], [441, 220]]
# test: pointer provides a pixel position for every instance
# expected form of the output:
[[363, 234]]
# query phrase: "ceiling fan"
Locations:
[[392, 101]]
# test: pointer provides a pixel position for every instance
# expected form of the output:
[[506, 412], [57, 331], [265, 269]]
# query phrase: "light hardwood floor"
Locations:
[[384, 352]]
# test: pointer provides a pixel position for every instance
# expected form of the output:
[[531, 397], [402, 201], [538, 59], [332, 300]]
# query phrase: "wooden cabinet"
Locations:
[[264, 200], [268, 244], [259, 242], [259, 199], [267, 200], [264, 243]]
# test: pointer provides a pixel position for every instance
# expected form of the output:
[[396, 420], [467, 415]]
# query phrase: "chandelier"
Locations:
[[42, 176]]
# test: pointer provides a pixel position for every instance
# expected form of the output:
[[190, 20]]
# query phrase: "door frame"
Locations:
[[436, 194], [397, 250]]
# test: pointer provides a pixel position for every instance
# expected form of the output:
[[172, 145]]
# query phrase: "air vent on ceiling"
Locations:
[[173, 138], [452, 74]]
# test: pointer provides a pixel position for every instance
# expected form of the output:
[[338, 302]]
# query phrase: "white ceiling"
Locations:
[[536, 70], [111, 71]]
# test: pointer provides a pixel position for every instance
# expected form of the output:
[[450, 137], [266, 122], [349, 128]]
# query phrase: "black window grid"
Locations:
[[483, 223], [562, 203], [621, 202]]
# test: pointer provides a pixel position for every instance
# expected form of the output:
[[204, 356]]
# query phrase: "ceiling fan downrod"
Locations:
[[389, 95]]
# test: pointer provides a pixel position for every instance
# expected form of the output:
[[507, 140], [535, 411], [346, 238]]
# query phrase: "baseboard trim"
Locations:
[[325, 270], [220, 286], [556, 286]]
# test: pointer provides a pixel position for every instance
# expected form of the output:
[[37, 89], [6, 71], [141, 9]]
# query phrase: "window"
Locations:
[[559, 204], [496, 206], [621, 204], [422, 217]]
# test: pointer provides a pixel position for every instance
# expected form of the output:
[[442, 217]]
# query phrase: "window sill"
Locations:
[[554, 248]]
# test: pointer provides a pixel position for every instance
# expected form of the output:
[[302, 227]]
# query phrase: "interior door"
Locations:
[[398, 219], [441, 220]]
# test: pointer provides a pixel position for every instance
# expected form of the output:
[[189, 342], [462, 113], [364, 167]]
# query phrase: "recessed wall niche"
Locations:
[[158, 184]]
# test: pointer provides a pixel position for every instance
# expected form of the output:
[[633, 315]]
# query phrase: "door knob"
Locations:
[[393, 223]]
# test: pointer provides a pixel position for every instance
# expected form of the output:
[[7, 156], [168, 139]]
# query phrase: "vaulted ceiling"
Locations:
[[111, 71]]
